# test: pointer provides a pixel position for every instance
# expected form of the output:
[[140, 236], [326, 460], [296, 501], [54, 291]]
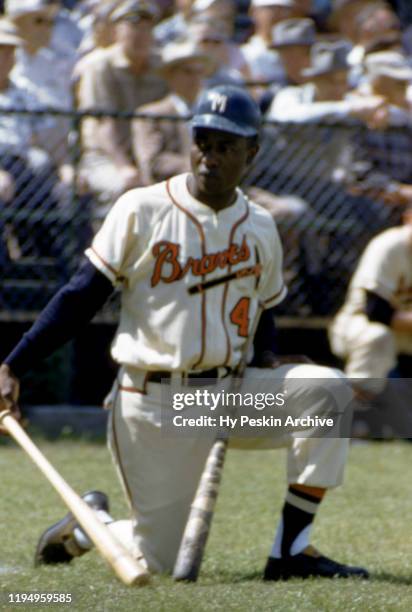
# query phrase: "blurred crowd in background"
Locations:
[[332, 77]]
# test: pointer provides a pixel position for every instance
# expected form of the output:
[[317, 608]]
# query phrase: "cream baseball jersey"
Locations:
[[191, 278], [384, 268]]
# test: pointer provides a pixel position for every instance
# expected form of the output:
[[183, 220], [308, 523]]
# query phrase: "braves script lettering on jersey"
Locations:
[[168, 252], [156, 243]]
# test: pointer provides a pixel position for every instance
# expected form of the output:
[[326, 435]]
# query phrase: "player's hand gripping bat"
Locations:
[[198, 525], [130, 571]]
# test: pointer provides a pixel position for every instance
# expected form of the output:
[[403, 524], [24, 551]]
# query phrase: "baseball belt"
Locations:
[[189, 377]]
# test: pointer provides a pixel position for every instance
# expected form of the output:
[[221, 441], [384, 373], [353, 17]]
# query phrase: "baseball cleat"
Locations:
[[305, 565], [57, 544]]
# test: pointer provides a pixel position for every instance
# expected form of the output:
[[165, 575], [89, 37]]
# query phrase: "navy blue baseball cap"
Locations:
[[227, 108]]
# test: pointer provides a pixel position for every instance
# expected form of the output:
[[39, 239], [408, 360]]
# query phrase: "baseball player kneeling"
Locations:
[[194, 260], [372, 331]]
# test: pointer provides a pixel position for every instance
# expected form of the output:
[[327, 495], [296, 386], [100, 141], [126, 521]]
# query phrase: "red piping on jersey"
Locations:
[[117, 452], [107, 265], [273, 297], [134, 389], [226, 289], [203, 247]]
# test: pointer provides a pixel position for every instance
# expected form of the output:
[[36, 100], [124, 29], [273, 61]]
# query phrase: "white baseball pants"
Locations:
[[160, 473]]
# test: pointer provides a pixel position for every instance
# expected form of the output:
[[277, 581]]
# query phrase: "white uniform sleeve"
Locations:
[[272, 288], [378, 269], [117, 241]]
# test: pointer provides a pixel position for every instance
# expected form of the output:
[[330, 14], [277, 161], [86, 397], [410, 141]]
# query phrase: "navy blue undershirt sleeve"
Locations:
[[265, 337], [73, 306], [76, 304], [378, 309]]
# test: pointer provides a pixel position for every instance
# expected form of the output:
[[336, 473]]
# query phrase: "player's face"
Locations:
[[218, 161]]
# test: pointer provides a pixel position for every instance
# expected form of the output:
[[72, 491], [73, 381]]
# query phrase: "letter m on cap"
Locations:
[[218, 102]]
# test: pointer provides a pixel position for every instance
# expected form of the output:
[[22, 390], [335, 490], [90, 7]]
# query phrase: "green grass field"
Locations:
[[367, 521]]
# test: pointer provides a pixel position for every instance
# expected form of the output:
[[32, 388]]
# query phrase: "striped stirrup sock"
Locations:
[[293, 532]]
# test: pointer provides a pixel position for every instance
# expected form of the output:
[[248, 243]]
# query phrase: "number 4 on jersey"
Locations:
[[240, 316]]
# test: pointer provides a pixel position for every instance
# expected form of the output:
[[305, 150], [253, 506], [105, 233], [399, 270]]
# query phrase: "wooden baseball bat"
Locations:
[[196, 533], [128, 569], [193, 544], [242, 273]]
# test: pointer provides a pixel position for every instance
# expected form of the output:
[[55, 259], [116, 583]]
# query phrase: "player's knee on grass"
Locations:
[[158, 534]]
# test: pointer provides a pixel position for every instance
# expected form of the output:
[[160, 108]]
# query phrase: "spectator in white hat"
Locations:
[[264, 63], [10, 128], [19, 8], [27, 176], [38, 65], [389, 75], [43, 69]]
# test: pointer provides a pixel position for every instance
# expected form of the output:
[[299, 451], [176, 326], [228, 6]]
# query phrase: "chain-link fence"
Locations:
[[329, 180], [44, 219], [321, 182]]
